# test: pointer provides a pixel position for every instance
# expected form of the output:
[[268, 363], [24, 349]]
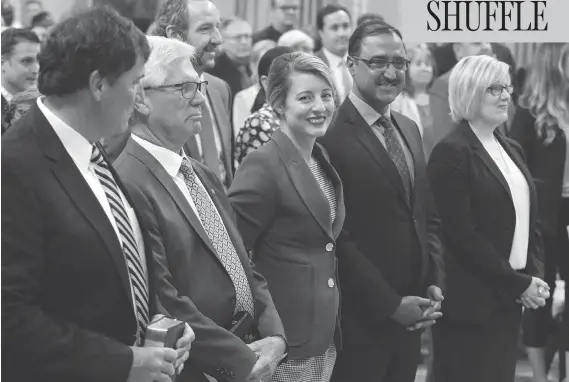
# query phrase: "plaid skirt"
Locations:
[[314, 369]]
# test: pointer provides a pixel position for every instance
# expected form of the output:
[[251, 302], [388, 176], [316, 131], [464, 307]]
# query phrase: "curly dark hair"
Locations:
[[96, 40]]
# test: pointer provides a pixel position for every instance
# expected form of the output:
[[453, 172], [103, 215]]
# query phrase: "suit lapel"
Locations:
[[304, 182], [486, 158], [374, 147], [71, 180], [168, 183], [221, 120]]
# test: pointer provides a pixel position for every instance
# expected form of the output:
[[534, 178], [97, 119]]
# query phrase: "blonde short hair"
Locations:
[[165, 53], [468, 82]]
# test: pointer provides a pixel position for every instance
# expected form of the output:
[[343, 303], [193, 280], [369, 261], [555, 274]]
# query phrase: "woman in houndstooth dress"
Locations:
[[290, 212]]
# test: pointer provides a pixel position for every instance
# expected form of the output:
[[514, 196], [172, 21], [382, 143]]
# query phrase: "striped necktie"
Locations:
[[396, 153], [217, 233], [128, 243]]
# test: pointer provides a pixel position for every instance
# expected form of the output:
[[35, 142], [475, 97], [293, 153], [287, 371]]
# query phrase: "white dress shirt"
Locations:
[[79, 149], [242, 104], [371, 116], [338, 66], [519, 190], [6, 94], [171, 162]]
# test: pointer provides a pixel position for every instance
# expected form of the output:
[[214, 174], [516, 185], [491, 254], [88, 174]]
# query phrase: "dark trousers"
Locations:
[[393, 356], [477, 353], [537, 324]]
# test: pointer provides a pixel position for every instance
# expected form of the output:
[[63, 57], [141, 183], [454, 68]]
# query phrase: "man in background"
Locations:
[[20, 48], [285, 17], [334, 25], [232, 65]]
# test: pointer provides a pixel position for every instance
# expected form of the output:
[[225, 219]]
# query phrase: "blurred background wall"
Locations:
[[257, 12]]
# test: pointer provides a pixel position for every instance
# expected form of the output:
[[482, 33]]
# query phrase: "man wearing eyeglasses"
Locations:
[[392, 285], [232, 65], [203, 271], [285, 17]]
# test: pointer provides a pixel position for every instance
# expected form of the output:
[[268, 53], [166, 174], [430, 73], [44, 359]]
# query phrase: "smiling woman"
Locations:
[[290, 212]]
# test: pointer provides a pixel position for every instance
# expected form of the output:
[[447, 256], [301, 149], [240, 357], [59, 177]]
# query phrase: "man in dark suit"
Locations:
[[72, 309], [20, 48], [215, 144], [390, 216], [204, 274], [232, 65]]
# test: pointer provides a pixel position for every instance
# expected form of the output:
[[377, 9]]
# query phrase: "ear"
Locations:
[[320, 33], [97, 85], [172, 33], [141, 102], [264, 81], [351, 66]]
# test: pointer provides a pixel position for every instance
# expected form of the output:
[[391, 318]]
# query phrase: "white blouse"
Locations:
[[519, 190]]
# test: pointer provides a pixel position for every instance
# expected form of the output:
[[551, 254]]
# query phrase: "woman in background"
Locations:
[[244, 100], [413, 102], [290, 213], [259, 126], [541, 127]]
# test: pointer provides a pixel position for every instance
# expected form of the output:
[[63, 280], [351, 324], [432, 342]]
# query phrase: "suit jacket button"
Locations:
[[329, 247], [331, 282]]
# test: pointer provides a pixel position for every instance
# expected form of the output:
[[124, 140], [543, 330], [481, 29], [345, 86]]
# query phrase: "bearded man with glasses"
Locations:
[[393, 285], [203, 270]]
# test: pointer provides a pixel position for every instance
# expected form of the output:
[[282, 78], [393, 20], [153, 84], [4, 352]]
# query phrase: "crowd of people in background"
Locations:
[[316, 206]]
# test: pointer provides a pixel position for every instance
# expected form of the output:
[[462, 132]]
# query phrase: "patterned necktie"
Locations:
[[128, 243], [395, 151], [220, 239]]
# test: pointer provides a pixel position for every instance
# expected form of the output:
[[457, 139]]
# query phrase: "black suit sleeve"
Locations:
[[214, 348], [436, 271], [58, 350], [449, 173]]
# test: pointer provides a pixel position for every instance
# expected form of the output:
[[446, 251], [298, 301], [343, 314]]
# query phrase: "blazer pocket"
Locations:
[[292, 287]]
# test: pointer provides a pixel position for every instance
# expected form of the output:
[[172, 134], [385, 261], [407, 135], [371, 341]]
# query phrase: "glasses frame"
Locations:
[[201, 87], [508, 88], [389, 62]]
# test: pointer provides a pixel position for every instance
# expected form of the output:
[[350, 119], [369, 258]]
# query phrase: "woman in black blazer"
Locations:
[[541, 127], [290, 212], [487, 204]]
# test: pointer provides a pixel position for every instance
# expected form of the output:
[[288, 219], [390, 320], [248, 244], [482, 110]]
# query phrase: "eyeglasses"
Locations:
[[382, 63], [188, 89], [497, 90]]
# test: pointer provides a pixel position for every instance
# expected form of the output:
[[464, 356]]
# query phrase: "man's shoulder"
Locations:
[[214, 81]]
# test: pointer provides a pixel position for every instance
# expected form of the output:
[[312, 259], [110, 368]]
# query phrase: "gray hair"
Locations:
[[468, 82], [293, 38], [164, 53]]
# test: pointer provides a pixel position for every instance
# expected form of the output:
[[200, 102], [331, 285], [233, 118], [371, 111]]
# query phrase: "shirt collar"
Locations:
[[6, 94], [333, 59], [367, 112], [77, 146], [170, 160]]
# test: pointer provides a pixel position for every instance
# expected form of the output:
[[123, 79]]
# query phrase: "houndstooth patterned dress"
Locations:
[[319, 368]]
